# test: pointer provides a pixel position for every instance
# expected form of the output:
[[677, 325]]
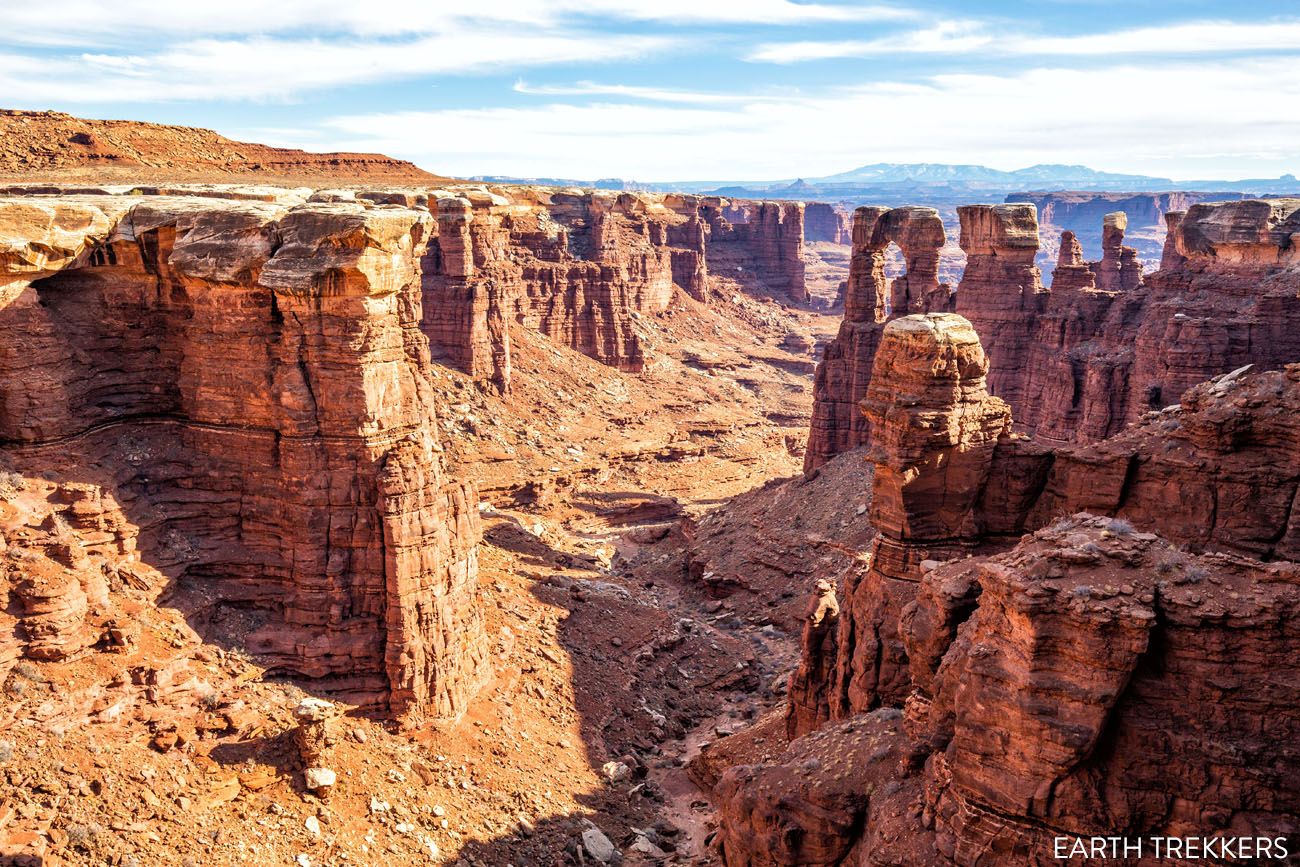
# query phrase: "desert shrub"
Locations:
[[1120, 527]]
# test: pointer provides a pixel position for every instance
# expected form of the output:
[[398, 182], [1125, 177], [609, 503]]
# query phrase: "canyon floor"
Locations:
[[629, 631]]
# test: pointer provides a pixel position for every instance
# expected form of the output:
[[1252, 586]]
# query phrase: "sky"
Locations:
[[682, 90]]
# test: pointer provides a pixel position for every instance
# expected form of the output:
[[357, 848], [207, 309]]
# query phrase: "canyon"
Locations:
[[377, 517], [1005, 669], [1103, 345], [259, 442]]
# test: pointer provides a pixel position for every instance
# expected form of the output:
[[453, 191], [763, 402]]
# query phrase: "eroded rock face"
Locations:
[[247, 381], [579, 266], [935, 429], [1001, 288], [827, 222], [764, 237], [951, 479], [1105, 673], [1101, 682], [1093, 680], [1079, 362], [870, 301]]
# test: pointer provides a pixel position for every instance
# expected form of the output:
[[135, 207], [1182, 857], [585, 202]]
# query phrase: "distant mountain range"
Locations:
[[937, 173], [925, 183]]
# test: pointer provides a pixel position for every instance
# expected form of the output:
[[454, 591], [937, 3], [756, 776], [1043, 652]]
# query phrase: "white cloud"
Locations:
[[650, 94], [1202, 120], [266, 68], [94, 22], [1190, 38], [967, 37], [946, 37], [740, 11]]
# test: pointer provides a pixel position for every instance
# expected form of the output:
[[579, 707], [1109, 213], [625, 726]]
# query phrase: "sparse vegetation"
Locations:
[[11, 483], [1120, 527], [1168, 564], [81, 836], [21, 677], [28, 671]]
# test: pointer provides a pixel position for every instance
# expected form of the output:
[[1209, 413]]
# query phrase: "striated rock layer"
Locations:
[[826, 222], [1128, 674], [1105, 344], [247, 382], [51, 143], [580, 266], [1091, 681], [870, 301]]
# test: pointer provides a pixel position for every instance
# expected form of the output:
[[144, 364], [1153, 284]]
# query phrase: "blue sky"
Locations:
[[688, 89]]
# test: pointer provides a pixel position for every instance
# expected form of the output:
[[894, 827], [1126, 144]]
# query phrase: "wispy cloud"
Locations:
[[650, 94], [1210, 120], [94, 22], [946, 37], [968, 37], [1190, 38], [267, 68]]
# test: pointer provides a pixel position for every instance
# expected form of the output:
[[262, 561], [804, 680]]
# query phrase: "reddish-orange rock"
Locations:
[[54, 144], [1001, 290], [762, 238], [826, 222], [1105, 344], [248, 380], [934, 432], [579, 266], [1092, 681], [1095, 677], [1106, 680], [870, 301], [1119, 269]]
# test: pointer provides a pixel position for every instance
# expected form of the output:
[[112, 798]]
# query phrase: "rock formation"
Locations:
[[1084, 212], [56, 144], [1105, 344], [574, 266], [579, 266], [934, 432], [240, 389], [1118, 270], [763, 238], [826, 222], [1039, 687], [870, 301]]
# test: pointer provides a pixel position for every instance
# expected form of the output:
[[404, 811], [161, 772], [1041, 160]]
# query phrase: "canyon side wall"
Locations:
[[1083, 212], [240, 390], [579, 266], [1105, 344], [826, 222], [870, 301], [1018, 674]]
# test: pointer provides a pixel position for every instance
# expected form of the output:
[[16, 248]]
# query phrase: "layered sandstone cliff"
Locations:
[[1084, 212], [246, 384], [1105, 344], [826, 222], [55, 144], [1035, 688], [579, 266], [1092, 681], [870, 301]]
